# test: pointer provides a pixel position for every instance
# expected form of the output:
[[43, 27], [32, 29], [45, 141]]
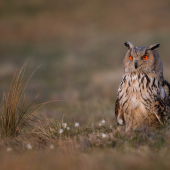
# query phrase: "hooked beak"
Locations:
[[136, 64]]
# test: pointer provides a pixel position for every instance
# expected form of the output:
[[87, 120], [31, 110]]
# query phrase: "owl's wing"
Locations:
[[166, 87], [118, 113], [117, 108]]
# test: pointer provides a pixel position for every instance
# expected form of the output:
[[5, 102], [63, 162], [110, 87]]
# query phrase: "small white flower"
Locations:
[[64, 125], [76, 124], [51, 146], [110, 127], [9, 149], [68, 128], [61, 131], [29, 146], [100, 124], [103, 121], [104, 135]]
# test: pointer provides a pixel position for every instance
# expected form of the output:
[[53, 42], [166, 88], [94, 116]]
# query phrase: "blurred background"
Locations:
[[81, 46]]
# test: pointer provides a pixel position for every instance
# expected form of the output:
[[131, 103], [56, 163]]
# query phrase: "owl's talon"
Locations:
[[120, 121]]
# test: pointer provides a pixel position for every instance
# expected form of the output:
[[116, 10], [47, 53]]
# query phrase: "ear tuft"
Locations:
[[128, 44], [154, 46]]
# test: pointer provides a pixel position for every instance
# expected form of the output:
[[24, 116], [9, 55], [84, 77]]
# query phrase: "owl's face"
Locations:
[[142, 59]]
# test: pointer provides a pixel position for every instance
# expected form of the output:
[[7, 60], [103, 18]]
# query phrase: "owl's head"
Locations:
[[142, 59]]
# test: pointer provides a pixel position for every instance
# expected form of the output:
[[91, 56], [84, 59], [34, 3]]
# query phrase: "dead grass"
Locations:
[[141, 150], [15, 109]]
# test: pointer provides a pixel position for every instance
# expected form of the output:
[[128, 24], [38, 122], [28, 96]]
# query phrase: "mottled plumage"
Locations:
[[143, 98]]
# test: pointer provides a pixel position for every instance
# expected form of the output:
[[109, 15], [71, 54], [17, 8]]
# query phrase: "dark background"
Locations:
[[81, 46]]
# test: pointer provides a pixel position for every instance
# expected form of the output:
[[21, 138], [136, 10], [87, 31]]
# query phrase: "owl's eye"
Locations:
[[130, 57], [145, 57]]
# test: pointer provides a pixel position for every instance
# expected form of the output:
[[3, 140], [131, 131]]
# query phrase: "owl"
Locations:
[[143, 98]]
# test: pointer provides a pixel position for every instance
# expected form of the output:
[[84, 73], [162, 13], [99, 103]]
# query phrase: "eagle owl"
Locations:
[[143, 97]]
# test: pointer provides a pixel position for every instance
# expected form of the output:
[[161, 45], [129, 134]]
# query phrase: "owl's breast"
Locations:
[[138, 92]]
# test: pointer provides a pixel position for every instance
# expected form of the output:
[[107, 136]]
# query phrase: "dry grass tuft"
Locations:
[[15, 110]]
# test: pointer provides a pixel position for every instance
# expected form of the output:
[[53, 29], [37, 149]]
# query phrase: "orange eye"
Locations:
[[145, 57], [130, 57]]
